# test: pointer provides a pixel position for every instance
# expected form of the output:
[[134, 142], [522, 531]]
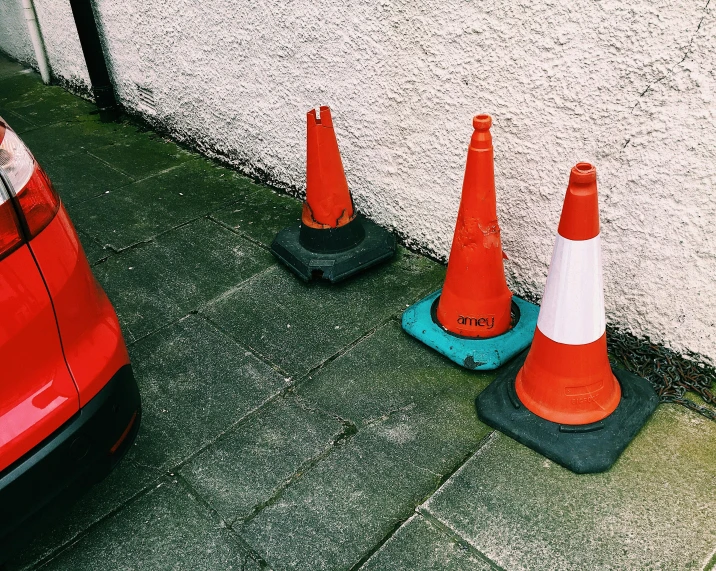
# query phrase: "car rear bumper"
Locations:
[[81, 452]]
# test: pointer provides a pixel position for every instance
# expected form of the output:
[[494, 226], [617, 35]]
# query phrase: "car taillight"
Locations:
[[10, 237], [16, 160], [37, 200]]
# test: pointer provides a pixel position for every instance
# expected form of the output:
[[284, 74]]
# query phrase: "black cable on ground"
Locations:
[[670, 373]]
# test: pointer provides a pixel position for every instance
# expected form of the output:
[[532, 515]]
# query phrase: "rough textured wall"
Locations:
[[14, 37], [628, 86], [62, 44]]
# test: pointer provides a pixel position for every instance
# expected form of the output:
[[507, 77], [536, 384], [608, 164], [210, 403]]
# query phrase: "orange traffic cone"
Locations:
[[573, 409], [328, 201], [469, 306], [332, 241], [472, 323]]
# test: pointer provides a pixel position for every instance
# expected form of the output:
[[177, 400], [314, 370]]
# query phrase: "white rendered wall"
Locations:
[[14, 37], [59, 35], [628, 86]]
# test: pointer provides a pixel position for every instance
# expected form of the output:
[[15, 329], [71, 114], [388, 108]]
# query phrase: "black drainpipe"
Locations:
[[94, 57]]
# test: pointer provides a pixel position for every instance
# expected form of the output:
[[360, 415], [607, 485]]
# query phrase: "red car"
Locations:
[[69, 404]]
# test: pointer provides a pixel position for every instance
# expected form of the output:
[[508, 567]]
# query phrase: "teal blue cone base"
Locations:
[[471, 353]]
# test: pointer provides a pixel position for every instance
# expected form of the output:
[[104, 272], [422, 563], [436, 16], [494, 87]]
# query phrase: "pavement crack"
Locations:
[[343, 350], [387, 414], [421, 468], [349, 426], [246, 348], [231, 291], [346, 432], [139, 464]]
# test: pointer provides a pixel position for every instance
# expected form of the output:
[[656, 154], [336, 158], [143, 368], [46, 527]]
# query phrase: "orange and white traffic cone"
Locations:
[[332, 241], [566, 377], [563, 399], [474, 320]]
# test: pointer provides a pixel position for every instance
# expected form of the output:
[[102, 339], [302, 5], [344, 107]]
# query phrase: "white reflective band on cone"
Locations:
[[572, 309]]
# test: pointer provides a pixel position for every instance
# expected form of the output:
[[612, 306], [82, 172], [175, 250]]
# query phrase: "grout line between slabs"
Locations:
[[347, 431], [236, 536], [149, 240], [444, 478], [711, 563], [132, 177], [457, 538], [237, 232]]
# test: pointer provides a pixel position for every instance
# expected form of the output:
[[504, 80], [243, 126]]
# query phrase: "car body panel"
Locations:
[[37, 393], [90, 332]]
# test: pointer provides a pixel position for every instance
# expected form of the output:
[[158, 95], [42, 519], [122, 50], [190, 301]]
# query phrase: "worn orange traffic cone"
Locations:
[[565, 401], [328, 201], [472, 321], [469, 306], [332, 242]]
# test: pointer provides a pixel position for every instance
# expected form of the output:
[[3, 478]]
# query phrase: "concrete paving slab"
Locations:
[[142, 210], [421, 546], [156, 283], [94, 251], [21, 88], [69, 137], [24, 93], [8, 68], [80, 176], [141, 153], [18, 123], [251, 464], [333, 517], [297, 326], [653, 510], [127, 480], [390, 371], [165, 529], [261, 215], [51, 104], [195, 384], [325, 473]]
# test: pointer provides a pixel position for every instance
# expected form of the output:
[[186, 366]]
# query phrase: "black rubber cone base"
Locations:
[[583, 449], [334, 254]]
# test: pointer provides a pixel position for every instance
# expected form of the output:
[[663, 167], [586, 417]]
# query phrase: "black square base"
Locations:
[[583, 449], [375, 246]]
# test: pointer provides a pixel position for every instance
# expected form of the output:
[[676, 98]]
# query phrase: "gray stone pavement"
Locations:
[[293, 426]]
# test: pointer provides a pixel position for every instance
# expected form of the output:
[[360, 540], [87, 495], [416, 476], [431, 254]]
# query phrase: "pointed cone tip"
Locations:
[[580, 211]]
